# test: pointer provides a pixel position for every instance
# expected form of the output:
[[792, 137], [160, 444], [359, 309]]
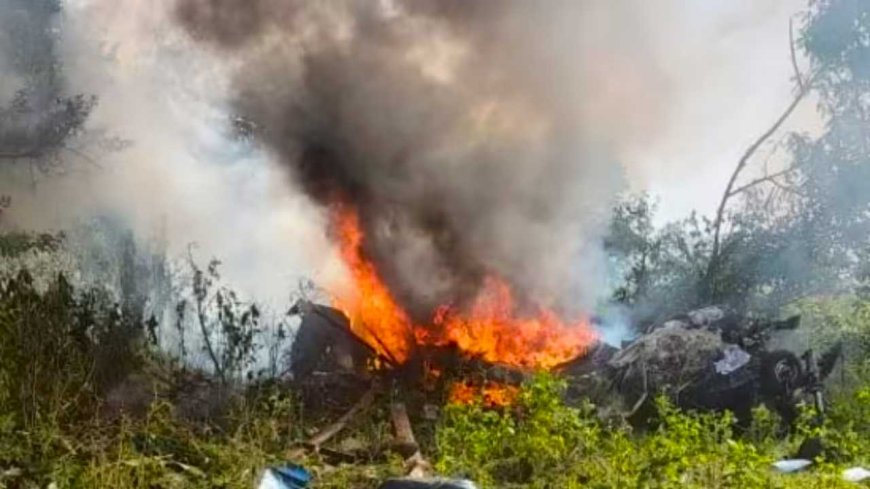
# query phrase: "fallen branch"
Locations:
[[330, 431], [14, 155], [405, 444], [415, 464]]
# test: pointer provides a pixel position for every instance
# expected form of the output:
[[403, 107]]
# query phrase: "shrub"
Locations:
[[544, 443], [59, 350]]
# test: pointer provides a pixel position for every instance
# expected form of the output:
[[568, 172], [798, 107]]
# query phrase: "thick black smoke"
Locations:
[[469, 135]]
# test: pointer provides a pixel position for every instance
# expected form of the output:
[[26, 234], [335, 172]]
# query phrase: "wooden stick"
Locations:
[[327, 433], [406, 444], [417, 467]]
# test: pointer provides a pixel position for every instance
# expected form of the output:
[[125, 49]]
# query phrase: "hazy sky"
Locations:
[[727, 76], [730, 62]]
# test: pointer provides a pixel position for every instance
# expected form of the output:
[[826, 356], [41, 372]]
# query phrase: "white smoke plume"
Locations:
[[514, 124]]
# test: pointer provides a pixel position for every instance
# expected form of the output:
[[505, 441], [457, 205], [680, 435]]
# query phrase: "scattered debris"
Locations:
[[735, 357], [788, 466], [327, 433], [709, 359], [285, 477], [713, 359], [416, 465], [325, 340], [856, 474], [410, 483]]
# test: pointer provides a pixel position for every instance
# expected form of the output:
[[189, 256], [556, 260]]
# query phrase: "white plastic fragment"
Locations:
[[856, 474], [269, 481], [734, 358], [788, 466], [706, 316]]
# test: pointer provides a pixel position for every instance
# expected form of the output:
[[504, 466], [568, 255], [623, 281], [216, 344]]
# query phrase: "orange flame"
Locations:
[[490, 394], [374, 315], [491, 329]]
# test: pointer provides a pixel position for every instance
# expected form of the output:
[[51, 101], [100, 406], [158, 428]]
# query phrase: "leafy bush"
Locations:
[[544, 443], [63, 350], [61, 355], [59, 349], [844, 319], [227, 326]]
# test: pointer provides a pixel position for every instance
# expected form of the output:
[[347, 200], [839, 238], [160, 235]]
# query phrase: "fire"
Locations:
[[374, 314], [490, 394], [492, 328]]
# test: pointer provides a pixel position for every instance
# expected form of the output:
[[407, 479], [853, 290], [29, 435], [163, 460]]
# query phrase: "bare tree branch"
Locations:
[[84, 156], [768, 202], [741, 164], [786, 188], [730, 191], [53, 152], [766, 178], [17, 155], [794, 65]]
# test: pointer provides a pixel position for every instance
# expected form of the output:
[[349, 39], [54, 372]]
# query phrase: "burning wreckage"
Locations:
[[367, 343], [711, 359], [707, 359]]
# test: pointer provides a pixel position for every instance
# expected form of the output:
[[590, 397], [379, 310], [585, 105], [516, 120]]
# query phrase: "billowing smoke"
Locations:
[[182, 177], [472, 137]]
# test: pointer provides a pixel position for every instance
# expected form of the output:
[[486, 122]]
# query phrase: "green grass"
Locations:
[[62, 351], [544, 443]]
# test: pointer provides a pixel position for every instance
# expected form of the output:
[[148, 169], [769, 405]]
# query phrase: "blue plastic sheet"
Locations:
[[285, 477]]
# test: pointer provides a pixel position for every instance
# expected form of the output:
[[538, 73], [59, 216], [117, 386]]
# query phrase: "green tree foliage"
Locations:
[[660, 268], [43, 116], [59, 348], [63, 349], [801, 231], [835, 168], [16, 243]]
